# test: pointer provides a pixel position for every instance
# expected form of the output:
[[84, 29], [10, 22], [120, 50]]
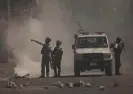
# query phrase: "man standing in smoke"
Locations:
[[118, 47], [46, 56], [57, 57]]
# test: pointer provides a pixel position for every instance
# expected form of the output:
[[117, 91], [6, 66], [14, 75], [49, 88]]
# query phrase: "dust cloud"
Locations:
[[53, 21]]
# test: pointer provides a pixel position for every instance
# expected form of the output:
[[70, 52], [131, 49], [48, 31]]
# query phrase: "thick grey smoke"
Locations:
[[54, 22]]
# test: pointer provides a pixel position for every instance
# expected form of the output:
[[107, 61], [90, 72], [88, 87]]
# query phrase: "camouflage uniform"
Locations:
[[57, 57], [46, 52], [118, 47]]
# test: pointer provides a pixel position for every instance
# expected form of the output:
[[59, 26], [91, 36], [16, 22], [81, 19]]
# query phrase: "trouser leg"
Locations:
[[47, 69], [117, 64], [59, 67], [55, 69], [42, 70]]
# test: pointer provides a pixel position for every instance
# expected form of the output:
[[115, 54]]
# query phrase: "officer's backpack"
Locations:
[[57, 53]]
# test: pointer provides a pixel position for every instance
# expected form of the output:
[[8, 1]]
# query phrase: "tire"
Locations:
[[76, 68], [108, 69]]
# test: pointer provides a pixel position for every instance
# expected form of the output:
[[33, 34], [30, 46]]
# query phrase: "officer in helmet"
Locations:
[[118, 48], [46, 56], [57, 57]]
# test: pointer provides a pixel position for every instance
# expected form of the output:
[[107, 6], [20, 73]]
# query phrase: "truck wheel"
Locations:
[[108, 69], [76, 68]]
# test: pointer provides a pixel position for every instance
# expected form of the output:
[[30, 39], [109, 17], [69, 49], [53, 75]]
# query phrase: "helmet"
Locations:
[[118, 39], [47, 40], [58, 43]]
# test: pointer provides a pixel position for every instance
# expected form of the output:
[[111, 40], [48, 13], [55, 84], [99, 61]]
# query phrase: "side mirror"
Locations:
[[73, 46]]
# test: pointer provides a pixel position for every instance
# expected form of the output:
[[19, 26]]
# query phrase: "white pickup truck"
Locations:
[[92, 51]]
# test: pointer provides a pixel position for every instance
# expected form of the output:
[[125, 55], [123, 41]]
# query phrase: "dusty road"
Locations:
[[37, 85]]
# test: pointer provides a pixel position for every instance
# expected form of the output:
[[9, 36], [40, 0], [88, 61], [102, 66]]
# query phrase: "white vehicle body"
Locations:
[[104, 51], [90, 48]]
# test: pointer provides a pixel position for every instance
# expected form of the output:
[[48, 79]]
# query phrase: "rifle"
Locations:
[[37, 42], [51, 64], [123, 46]]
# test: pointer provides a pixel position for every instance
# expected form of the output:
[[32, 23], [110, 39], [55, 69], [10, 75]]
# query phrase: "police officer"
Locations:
[[118, 48], [46, 57], [57, 57]]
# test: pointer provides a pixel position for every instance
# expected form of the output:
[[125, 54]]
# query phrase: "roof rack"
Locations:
[[84, 33], [99, 32]]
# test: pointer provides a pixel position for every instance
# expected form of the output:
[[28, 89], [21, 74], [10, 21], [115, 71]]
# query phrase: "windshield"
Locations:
[[92, 42]]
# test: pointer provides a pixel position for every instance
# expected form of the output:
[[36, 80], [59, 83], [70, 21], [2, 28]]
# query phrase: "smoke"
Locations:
[[54, 22]]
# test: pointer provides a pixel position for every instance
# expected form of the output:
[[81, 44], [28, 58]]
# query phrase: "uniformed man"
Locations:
[[46, 56], [118, 47], [57, 57]]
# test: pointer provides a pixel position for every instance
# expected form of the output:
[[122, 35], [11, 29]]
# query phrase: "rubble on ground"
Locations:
[[82, 84], [69, 84], [46, 87], [58, 84], [27, 84], [102, 87], [88, 85], [11, 85], [77, 84], [115, 85], [21, 86]]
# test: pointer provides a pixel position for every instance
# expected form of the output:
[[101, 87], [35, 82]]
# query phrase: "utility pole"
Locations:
[[9, 9], [8, 23]]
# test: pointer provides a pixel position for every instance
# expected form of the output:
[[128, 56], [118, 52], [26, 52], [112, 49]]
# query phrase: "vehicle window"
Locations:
[[92, 42]]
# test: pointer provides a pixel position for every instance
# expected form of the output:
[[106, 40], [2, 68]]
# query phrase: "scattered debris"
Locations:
[[102, 87], [116, 85], [77, 84], [21, 86], [11, 85], [88, 85], [27, 84], [70, 85], [82, 84], [58, 84], [61, 85], [46, 87]]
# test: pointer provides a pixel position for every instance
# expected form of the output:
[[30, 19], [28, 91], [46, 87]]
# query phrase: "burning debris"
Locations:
[[24, 76]]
